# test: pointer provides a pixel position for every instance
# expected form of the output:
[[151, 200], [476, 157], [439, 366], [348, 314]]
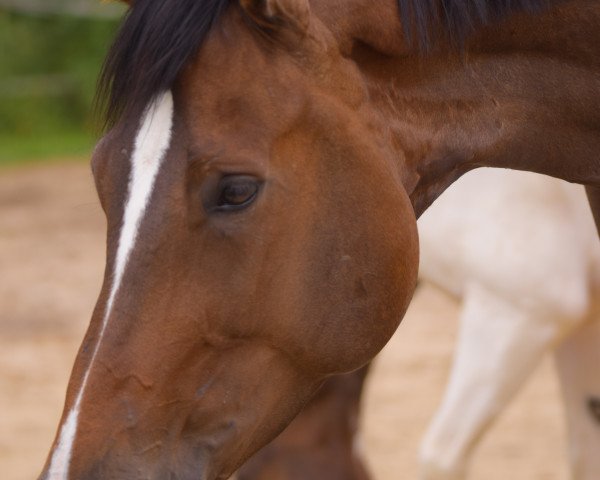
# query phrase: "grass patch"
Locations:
[[18, 150], [48, 70]]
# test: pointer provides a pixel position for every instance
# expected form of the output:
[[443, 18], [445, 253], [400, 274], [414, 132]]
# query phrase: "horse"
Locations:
[[521, 299], [525, 260], [263, 168], [322, 442]]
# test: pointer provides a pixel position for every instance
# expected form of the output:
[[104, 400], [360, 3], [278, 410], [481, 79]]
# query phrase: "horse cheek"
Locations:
[[358, 286]]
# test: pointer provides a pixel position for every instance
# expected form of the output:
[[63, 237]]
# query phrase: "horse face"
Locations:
[[258, 240]]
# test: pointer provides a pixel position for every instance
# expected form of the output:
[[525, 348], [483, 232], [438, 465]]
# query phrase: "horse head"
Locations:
[[259, 239]]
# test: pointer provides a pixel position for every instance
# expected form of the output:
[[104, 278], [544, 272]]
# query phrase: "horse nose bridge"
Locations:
[[140, 318], [146, 343], [115, 437], [149, 263], [144, 281]]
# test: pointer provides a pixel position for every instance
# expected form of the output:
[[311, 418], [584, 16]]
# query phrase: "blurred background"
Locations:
[[51, 52], [52, 258]]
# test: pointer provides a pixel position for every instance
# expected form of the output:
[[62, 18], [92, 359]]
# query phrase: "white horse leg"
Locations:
[[498, 347], [578, 365]]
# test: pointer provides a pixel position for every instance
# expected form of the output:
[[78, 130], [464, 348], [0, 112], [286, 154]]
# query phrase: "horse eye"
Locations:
[[236, 192]]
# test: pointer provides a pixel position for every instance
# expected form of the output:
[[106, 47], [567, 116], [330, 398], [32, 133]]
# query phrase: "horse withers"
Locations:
[[261, 177]]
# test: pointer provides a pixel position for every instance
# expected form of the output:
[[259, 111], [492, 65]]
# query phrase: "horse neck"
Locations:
[[523, 95]]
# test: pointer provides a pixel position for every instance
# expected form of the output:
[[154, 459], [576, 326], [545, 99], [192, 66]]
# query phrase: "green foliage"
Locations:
[[48, 70]]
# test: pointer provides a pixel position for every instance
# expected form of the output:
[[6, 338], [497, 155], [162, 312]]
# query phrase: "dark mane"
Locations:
[[428, 21], [156, 39]]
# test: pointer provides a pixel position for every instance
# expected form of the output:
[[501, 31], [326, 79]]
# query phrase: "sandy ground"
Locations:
[[51, 261]]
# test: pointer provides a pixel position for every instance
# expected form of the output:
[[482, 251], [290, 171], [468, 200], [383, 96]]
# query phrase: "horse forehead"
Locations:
[[237, 81], [240, 67], [238, 114]]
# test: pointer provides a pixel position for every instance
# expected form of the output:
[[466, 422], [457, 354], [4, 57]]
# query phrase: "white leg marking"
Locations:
[[151, 144]]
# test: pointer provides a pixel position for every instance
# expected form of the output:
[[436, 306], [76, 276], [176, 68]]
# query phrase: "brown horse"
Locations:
[[322, 442], [265, 163]]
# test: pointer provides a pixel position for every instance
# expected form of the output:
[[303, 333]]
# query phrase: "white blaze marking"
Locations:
[[151, 144]]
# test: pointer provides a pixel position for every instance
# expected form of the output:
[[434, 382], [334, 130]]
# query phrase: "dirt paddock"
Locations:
[[51, 262]]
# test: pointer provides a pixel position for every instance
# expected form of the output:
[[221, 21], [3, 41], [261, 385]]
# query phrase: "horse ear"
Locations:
[[274, 13]]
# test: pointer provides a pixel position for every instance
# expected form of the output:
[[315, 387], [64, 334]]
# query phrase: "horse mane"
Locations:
[[426, 22], [156, 40], [158, 37]]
